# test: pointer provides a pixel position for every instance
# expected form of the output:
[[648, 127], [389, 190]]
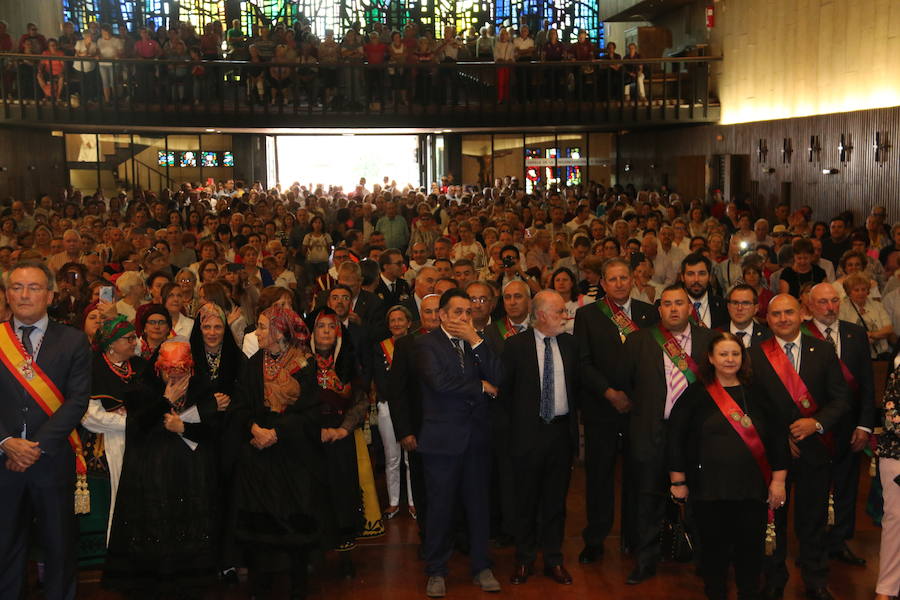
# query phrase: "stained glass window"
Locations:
[[568, 15]]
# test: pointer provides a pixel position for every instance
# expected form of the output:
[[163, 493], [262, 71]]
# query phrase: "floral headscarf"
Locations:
[[111, 331]]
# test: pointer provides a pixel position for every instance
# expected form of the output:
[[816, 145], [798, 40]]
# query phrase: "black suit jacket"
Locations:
[[65, 356], [820, 371], [404, 392], [455, 413], [760, 332], [520, 391], [718, 311], [645, 384], [600, 355], [402, 295], [855, 354]]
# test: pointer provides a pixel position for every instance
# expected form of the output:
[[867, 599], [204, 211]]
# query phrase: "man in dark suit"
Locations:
[[852, 436], [812, 418], [37, 476], [457, 371], [708, 310], [654, 381], [339, 298], [604, 406], [540, 391], [392, 288], [743, 302], [516, 299], [366, 305], [405, 403]]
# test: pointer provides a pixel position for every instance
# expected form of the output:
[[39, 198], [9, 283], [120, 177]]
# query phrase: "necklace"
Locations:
[[123, 371], [272, 364], [213, 361]]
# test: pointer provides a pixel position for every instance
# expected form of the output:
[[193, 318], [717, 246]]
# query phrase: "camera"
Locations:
[[508, 261]]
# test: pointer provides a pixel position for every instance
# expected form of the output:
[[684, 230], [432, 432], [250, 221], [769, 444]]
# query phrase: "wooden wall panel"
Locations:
[[31, 162], [859, 184]]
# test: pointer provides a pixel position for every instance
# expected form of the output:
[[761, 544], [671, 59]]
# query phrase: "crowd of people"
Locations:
[[287, 62], [237, 362]]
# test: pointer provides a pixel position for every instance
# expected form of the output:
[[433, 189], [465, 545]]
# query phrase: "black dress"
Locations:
[[727, 488], [164, 535], [280, 491]]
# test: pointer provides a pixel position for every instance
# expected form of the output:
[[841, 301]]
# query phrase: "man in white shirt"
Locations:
[[664, 271], [826, 264], [418, 259]]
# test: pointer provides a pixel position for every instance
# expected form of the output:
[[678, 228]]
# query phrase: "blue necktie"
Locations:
[[697, 306], [547, 382], [789, 350]]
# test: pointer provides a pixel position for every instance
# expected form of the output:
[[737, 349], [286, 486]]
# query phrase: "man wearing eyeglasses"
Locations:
[[742, 303], [45, 386], [392, 289]]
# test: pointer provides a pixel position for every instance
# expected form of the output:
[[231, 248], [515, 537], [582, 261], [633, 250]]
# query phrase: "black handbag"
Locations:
[[674, 540]]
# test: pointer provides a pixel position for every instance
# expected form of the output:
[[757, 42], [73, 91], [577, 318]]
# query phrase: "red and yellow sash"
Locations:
[[681, 359], [695, 317], [743, 426], [387, 348], [47, 396], [809, 328], [615, 314], [792, 382]]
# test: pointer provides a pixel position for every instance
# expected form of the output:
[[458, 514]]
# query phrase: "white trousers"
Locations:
[[392, 454]]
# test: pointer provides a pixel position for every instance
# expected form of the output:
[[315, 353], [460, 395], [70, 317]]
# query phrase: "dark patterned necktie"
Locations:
[[26, 338], [460, 354], [830, 338], [547, 391]]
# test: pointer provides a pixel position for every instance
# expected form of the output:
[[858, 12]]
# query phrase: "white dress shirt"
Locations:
[[795, 350], [835, 333], [560, 401], [747, 338]]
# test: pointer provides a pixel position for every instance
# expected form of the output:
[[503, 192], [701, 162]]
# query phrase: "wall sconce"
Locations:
[[768, 170], [627, 167], [815, 148], [787, 149], [830, 171], [762, 151], [32, 168], [845, 148], [881, 145], [3, 169]]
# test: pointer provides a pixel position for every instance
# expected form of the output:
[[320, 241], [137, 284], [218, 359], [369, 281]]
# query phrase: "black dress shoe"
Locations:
[[819, 594], [558, 574], [590, 554], [640, 574], [846, 555], [521, 573]]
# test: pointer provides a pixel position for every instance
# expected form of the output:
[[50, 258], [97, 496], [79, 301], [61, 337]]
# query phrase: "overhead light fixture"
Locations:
[[210, 130], [830, 171]]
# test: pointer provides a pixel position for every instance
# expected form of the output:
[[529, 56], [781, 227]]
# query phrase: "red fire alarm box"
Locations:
[[710, 16]]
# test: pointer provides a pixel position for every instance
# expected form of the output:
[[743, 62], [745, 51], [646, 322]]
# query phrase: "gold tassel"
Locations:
[[82, 496], [873, 466], [770, 538], [831, 509]]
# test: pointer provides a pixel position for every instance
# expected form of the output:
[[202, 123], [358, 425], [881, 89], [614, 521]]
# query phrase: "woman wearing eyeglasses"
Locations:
[[113, 379]]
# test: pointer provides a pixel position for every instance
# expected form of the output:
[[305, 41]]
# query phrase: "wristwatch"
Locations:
[[819, 428]]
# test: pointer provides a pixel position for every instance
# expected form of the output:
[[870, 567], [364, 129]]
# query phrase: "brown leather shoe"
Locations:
[[521, 573], [558, 574]]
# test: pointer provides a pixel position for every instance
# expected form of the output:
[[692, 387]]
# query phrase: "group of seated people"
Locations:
[[255, 356], [285, 63]]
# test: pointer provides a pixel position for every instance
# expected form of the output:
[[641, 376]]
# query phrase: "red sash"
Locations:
[[810, 328], [743, 426], [506, 328], [615, 314], [794, 385], [681, 359], [695, 317]]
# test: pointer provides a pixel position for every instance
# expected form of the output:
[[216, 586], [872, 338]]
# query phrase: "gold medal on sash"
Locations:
[[804, 402], [746, 422], [27, 370], [736, 416]]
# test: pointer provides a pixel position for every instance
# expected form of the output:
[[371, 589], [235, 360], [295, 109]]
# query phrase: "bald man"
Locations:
[[851, 345], [801, 377]]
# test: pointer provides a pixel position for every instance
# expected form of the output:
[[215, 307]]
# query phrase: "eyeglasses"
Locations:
[[18, 288], [741, 303], [478, 299], [185, 281], [157, 322], [130, 338]]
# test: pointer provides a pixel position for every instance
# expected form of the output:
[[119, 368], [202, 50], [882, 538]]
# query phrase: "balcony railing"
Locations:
[[217, 94]]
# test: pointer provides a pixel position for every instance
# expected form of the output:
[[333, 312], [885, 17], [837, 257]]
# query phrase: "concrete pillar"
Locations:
[[46, 14]]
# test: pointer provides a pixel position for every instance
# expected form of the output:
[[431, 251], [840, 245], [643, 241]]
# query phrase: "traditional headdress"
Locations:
[[111, 331], [289, 324], [175, 354]]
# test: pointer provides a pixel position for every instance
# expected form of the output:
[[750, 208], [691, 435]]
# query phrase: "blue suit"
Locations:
[[46, 490], [455, 444]]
